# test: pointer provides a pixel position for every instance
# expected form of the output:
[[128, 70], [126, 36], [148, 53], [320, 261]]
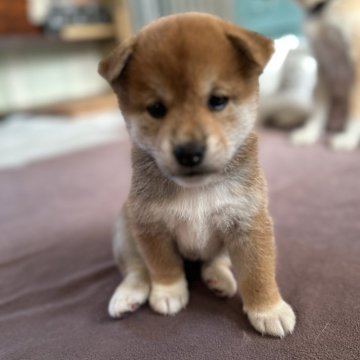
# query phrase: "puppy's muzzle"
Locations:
[[190, 154]]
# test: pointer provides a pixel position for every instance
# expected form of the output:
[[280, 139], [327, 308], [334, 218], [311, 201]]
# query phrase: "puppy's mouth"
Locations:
[[195, 173], [194, 177]]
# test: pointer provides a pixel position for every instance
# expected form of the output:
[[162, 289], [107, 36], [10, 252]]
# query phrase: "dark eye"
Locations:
[[157, 110], [217, 103]]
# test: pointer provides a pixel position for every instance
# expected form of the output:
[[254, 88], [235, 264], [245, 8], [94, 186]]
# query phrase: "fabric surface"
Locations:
[[57, 273]]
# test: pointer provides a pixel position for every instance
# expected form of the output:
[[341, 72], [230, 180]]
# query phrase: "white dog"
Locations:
[[333, 30]]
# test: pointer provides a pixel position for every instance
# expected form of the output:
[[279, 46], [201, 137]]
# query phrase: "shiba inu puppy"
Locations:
[[188, 89], [333, 30]]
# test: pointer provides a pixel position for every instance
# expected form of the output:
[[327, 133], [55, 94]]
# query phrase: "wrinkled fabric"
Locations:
[[57, 272]]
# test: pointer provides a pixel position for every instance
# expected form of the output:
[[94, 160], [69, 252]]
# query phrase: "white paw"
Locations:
[[219, 279], [305, 136], [128, 297], [169, 299], [278, 321], [346, 141]]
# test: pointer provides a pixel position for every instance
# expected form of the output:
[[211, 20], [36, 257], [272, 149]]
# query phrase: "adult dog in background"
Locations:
[[333, 30], [188, 89]]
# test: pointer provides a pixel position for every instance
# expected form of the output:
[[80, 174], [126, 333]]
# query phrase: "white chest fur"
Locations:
[[194, 214], [191, 219]]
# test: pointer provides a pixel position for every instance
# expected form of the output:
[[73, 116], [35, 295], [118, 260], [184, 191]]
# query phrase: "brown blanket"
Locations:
[[57, 273]]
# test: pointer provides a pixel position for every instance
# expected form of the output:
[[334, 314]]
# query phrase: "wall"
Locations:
[[31, 77], [274, 18]]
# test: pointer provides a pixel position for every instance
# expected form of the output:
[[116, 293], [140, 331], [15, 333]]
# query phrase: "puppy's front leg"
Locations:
[[169, 293], [253, 257]]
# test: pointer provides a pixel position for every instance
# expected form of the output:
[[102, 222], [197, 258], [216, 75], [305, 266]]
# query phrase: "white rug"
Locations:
[[28, 138]]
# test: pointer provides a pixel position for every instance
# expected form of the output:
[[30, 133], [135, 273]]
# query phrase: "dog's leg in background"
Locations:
[[311, 132], [349, 139], [134, 289], [218, 276], [253, 257], [169, 292]]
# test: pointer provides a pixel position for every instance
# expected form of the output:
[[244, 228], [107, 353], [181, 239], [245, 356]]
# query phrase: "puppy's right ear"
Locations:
[[113, 64]]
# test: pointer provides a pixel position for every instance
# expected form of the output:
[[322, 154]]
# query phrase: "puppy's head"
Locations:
[[188, 88]]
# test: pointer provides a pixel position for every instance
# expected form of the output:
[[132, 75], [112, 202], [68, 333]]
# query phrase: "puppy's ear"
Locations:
[[253, 47], [113, 64]]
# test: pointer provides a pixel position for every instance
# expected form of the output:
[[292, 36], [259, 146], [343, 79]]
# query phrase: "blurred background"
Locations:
[[53, 101]]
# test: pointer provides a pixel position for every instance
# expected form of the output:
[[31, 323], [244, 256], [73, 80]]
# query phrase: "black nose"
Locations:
[[189, 154]]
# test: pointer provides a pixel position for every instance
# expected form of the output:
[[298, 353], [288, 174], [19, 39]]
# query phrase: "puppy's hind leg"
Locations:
[[218, 276], [134, 289]]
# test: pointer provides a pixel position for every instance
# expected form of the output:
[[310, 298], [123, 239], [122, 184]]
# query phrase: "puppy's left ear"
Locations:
[[113, 64], [251, 46]]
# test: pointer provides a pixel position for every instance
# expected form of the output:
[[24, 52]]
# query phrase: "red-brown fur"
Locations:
[[182, 61]]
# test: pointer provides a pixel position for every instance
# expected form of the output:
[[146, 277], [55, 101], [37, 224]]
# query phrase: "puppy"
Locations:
[[333, 30], [188, 89]]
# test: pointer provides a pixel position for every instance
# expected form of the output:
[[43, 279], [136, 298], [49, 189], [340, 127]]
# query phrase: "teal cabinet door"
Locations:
[[273, 18]]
